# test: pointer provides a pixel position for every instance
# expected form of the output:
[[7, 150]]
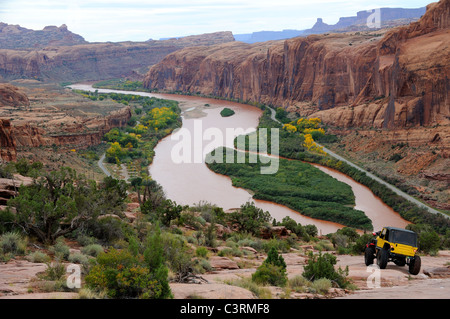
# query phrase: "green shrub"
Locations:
[[272, 271], [269, 274], [322, 266], [38, 257], [121, 275], [60, 249], [299, 284], [321, 285], [55, 271], [360, 244], [235, 251], [78, 258], [429, 242], [92, 250], [85, 240], [6, 221], [201, 252], [13, 243], [247, 283], [249, 219]]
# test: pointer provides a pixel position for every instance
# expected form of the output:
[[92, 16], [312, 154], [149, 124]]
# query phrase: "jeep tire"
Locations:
[[382, 258], [369, 256], [414, 265]]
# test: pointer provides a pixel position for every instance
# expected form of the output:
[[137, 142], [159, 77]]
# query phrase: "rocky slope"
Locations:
[[397, 80], [37, 116], [94, 61], [8, 150], [11, 95]]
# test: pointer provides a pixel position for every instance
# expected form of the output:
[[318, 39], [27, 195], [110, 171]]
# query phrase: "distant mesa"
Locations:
[[57, 54], [202, 39], [17, 37], [389, 17]]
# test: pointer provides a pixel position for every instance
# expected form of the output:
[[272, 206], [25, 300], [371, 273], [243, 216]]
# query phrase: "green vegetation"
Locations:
[[121, 84], [152, 119], [59, 202], [11, 245], [226, 112], [122, 274], [249, 219], [297, 185], [167, 243], [272, 271], [292, 146], [322, 266]]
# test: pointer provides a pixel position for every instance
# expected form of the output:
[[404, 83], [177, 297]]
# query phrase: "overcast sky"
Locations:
[[140, 20]]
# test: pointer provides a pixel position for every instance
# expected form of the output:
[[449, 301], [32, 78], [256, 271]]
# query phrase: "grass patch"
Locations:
[[297, 185]]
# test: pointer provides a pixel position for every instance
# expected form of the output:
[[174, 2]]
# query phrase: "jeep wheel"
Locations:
[[369, 256], [382, 258], [414, 265]]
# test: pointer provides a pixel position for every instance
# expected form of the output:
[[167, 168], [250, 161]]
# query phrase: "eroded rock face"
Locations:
[[395, 81], [95, 61], [24, 127], [11, 95], [8, 150], [73, 136]]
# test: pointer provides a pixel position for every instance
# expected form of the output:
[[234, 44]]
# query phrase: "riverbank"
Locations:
[[173, 177], [389, 194]]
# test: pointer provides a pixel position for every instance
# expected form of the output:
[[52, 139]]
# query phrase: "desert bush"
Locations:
[[119, 274], [322, 266], [201, 252], [272, 271], [249, 219], [321, 285], [235, 252], [13, 243], [269, 274], [78, 258], [256, 289], [60, 249], [299, 284], [60, 202], [85, 240], [38, 257], [55, 271], [429, 242], [92, 250]]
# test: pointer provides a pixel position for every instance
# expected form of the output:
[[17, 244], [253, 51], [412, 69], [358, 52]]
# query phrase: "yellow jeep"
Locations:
[[394, 244]]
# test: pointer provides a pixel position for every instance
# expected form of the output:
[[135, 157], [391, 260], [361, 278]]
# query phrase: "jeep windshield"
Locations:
[[403, 237]]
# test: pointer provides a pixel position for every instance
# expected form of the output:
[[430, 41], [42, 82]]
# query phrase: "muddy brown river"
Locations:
[[189, 181]]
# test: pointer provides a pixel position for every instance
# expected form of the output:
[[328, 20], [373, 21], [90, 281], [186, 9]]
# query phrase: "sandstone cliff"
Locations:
[[11, 95], [94, 61], [398, 80], [47, 121], [81, 134], [7, 144]]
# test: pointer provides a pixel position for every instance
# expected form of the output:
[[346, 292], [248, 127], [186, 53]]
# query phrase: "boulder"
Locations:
[[217, 262], [437, 272]]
